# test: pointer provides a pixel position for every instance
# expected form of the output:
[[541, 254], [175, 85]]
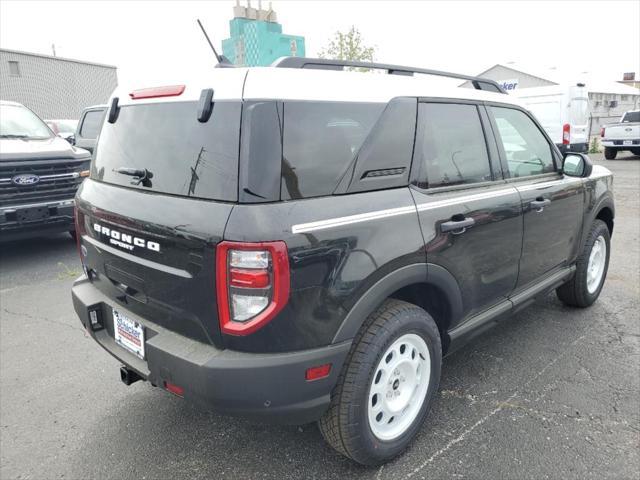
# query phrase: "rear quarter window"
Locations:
[[320, 140], [185, 157]]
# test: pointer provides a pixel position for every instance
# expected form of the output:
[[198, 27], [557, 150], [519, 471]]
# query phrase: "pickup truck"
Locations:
[[622, 136]]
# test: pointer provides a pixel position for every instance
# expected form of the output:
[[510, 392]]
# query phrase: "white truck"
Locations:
[[622, 136], [563, 111]]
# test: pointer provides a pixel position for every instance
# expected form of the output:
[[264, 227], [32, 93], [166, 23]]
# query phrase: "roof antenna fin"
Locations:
[[222, 60]]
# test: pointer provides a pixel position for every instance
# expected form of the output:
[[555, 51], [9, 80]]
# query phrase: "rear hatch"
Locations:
[[162, 185], [578, 115]]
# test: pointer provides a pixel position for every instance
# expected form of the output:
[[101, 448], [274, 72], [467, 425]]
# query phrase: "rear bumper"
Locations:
[[574, 147], [619, 144], [269, 387], [55, 217]]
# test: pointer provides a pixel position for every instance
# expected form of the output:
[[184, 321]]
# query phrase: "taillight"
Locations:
[[155, 92], [566, 134], [252, 284], [602, 132]]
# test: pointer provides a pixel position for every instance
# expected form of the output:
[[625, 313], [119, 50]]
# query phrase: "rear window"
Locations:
[[184, 156], [320, 141], [579, 111], [631, 117], [91, 124]]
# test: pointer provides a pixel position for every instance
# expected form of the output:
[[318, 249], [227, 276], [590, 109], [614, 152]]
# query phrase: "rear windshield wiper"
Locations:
[[140, 175]]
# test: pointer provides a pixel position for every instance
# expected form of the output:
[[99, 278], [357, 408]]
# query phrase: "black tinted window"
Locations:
[[631, 117], [320, 139], [91, 124], [452, 148], [525, 147], [186, 157]]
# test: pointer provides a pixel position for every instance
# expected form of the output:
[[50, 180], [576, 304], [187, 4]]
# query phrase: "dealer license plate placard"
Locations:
[[128, 333]]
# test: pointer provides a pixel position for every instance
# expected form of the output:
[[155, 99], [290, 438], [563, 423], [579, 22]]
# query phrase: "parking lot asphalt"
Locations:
[[552, 393]]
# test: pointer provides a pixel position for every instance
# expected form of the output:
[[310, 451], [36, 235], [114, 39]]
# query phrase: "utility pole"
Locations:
[[53, 49]]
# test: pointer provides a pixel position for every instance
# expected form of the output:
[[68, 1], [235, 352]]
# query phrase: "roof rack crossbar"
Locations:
[[478, 83]]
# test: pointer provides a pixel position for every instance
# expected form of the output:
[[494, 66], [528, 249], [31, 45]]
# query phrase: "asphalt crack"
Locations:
[[45, 319]]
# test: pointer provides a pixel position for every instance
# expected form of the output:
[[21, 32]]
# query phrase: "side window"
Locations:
[[453, 148], [527, 150], [91, 124], [320, 140]]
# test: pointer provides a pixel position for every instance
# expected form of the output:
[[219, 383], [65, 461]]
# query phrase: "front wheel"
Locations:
[[387, 384], [591, 269], [636, 151], [610, 153]]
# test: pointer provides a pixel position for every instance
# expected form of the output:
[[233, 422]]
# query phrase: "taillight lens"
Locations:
[[602, 132], [252, 284], [566, 134]]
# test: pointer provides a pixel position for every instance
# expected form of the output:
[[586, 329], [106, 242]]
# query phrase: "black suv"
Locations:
[[39, 175], [297, 243]]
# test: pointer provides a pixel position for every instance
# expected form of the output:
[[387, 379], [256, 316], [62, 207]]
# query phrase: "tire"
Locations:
[[579, 291], [610, 153], [636, 151], [347, 426], [73, 234]]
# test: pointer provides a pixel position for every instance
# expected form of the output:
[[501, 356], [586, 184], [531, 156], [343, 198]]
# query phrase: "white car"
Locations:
[[622, 136]]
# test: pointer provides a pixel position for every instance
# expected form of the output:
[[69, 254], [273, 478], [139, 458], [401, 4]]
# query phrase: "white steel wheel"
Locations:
[[399, 387], [596, 265]]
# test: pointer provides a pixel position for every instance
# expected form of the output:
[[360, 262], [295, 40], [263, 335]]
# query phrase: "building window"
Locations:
[[14, 68], [625, 98]]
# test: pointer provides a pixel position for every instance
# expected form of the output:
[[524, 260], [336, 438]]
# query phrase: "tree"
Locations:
[[348, 46]]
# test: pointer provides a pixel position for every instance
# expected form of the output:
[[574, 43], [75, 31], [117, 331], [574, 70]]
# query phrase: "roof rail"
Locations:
[[325, 64]]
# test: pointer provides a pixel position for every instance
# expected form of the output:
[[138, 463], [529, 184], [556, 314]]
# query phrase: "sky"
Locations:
[[144, 39]]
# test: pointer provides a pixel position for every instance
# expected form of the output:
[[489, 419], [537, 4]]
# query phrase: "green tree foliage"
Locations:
[[348, 46]]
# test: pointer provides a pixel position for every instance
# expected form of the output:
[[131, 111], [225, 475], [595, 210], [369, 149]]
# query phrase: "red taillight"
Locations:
[[155, 92], [252, 284], [175, 389], [316, 373], [566, 134], [76, 219], [602, 132]]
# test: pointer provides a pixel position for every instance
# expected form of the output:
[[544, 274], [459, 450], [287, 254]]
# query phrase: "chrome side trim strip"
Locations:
[[467, 198], [351, 219], [391, 212], [536, 186]]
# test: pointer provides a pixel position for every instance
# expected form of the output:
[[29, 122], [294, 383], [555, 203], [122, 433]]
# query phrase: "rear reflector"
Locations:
[[175, 389], [155, 92], [249, 278], [316, 373]]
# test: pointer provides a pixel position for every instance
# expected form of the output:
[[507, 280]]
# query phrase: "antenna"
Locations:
[[222, 60]]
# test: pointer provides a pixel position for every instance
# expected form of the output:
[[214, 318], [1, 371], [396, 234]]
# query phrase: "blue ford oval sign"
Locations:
[[25, 179]]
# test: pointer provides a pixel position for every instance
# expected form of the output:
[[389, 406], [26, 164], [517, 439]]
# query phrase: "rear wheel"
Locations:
[[610, 153], [387, 385], [591, 269], [635, 151]]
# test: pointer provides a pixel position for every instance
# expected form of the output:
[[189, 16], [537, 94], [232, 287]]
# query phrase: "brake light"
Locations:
[[76, 219], [155, 92], [252, 284], [602, 132], [566, 134]]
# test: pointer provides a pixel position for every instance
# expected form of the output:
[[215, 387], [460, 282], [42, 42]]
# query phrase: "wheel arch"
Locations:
[[429, 286]]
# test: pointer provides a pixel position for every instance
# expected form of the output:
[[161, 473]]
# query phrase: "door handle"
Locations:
[[539, 203], [457, 226]]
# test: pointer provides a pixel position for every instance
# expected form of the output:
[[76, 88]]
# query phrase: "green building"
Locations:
[[257, 38]]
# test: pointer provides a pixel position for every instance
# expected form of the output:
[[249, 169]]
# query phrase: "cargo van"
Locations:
[[563, 112]]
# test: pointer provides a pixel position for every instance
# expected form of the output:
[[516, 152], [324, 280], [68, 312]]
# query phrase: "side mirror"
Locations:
[[577, 165], [71, 139]]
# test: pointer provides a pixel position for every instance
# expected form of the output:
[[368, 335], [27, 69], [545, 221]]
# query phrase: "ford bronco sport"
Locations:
[[39, 175], [296, 243]]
